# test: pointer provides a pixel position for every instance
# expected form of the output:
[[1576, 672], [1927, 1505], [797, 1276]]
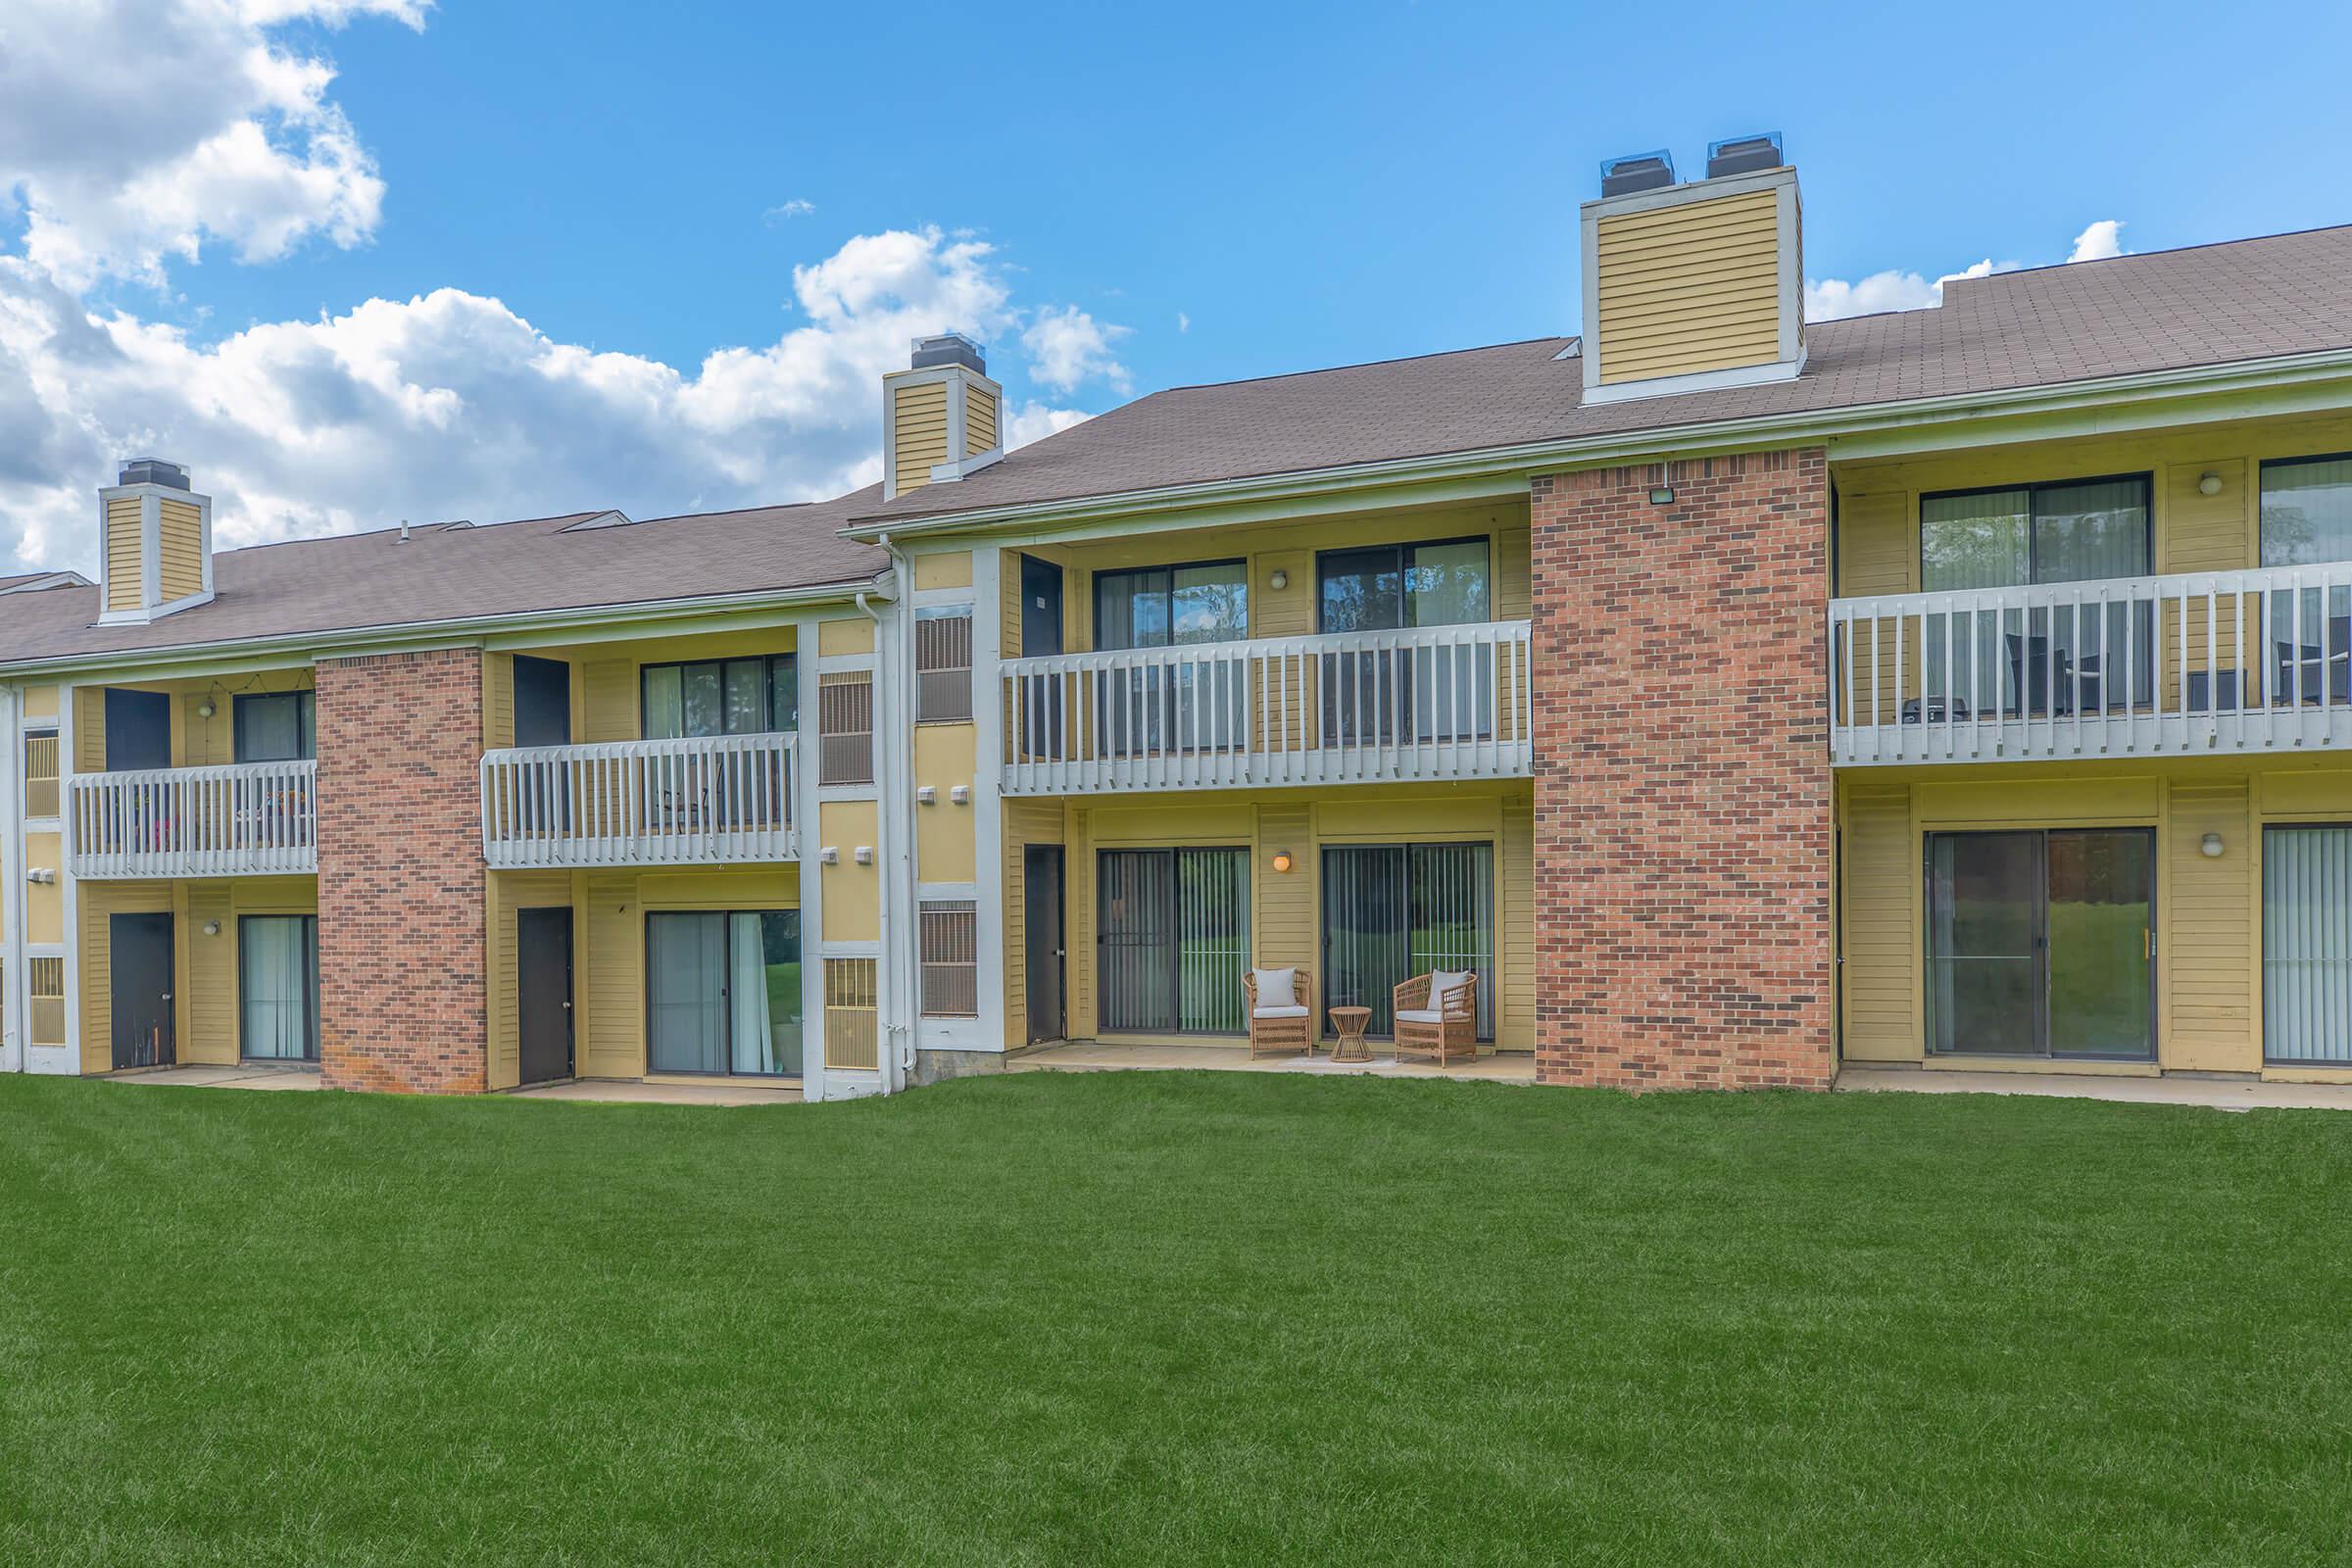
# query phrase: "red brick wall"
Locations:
[[1683, 790], [402, 967]]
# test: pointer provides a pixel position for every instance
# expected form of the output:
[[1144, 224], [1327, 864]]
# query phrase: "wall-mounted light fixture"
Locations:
[[1661, 495], [212, 928], [1282, 861], [2211, 846], [206, 709], [1281, 579], [2209, 484]]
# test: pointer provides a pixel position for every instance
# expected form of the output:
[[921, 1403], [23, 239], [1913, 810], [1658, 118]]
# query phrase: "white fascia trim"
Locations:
[[947, 890], [1664, 386], [843, 664], [55, 579], [848, 950], [1697, 438], [403, 635]]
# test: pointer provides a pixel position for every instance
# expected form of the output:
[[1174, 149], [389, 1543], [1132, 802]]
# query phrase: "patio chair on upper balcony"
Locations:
[[2324, 671], [1437, 1015], [1281, 1004]]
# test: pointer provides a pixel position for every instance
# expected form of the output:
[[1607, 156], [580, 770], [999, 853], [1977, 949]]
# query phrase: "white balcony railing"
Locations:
[[1432, 703], [2197, 663], [720, 800], [243, 819]]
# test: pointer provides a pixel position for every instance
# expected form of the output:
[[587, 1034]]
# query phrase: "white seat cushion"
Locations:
[[1279, 1013], [1420, 1015], [1277, 988]]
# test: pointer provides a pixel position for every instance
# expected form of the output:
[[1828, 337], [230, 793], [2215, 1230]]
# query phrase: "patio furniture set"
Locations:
[[1435, 1013]]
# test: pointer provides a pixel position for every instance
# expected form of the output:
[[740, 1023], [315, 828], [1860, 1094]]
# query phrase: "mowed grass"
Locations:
[[1183, 1319]]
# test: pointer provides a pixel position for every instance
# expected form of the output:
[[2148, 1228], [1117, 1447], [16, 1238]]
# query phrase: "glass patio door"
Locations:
[[1173, 939], [2307, 944], [2040, 943], [1394, 911], [723, 992]]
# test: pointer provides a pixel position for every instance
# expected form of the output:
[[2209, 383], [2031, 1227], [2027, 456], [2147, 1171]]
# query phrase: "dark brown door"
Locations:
[[1041, 878], [542, 702], [139, 963], [543, 983]]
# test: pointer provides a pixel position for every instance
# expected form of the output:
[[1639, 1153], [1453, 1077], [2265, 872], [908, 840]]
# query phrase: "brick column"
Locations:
[[1683, 789], [402, 963]]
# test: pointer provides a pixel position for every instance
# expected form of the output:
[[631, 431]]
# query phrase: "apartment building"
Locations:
[[1734, 695]]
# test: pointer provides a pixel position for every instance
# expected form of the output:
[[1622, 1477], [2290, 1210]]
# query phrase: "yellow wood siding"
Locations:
[[610, 696], [97, 900], [498, 701], [180, 533], [1284, 924], [125, 583], [1689, 289], [979, 419], [947, 569], [852, 892], [1880, 910], [1515, 956], [2202, 532], [211, 976], [918, 431], [89, 729], [202, 742], [614, 1042], [944, 757], [2208, 954], [512, 891], [44, 901]]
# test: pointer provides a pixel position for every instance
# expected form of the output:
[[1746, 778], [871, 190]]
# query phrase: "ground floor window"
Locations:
[[2041, 944], [1174, 939], [722, 992], [2307, 944], [278, 987], [1394, 911]]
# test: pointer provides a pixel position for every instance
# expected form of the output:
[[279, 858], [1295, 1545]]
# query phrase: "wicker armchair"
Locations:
[[1291, 1028], [1445, 1027]]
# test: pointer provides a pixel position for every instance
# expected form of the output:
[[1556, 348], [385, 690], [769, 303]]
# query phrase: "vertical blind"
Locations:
[[723, 992], [1173, 939], [1392, 912], [278, 987], [2307, 944]]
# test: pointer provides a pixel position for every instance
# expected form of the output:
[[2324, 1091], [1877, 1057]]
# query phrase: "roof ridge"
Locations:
[[1356, 365], [2134, 256]]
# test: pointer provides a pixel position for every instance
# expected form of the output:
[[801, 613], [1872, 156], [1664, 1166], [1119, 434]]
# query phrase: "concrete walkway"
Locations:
[[245, 1075], [1517, 1067], [2220, 1094], [250, 1075]]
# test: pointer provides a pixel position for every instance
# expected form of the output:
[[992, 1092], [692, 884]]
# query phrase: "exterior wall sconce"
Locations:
[[2209, 484], [960, 794], [866, 854], [1281, 579], [2211, 846], [1282, 861], [1661, 495], [927, 794], [206, 709], [212, 928]]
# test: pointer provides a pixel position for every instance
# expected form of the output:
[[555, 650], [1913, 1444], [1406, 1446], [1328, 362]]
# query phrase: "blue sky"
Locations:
[[1199, 194]]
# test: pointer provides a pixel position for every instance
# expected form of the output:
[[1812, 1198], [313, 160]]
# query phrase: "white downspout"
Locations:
[[897, 1047]]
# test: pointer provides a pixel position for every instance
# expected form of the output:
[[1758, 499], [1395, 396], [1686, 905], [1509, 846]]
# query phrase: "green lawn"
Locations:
[[1171, 1318]]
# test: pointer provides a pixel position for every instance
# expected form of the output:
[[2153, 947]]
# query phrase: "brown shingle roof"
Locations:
[[357, 581], [2168, 310]]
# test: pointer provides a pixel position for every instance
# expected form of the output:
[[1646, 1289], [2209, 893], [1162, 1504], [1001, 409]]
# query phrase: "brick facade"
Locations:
[[1684, 799], [402, 963]]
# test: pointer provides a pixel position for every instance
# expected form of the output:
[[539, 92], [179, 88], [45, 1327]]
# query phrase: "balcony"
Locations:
[[2204, 663], [1432, 703], [244, 819], [716, 801]]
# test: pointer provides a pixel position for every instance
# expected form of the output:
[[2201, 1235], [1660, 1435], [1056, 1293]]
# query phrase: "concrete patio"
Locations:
[[249, 1075], [1515, 1067], [2219, 1093]]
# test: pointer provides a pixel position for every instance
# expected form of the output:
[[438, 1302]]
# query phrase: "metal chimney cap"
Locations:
[[1743, 155], [154, 470], [948, 348], [1622, 176]]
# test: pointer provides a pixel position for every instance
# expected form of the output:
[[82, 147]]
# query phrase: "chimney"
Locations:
[[941, 416], [155, 544], [1691, 287]]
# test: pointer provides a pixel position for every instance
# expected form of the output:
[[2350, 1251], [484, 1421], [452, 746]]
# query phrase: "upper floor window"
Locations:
[[2307, 511], [1163, 606], [753, 696], [2070, 532], [275, 726], [1446, 582]]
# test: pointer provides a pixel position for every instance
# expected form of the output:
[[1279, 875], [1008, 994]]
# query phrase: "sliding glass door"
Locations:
[[1394, 911], [722, 992], [1394, 697], [1194, 705], [2307, 944], [2040, 943], [1173, 941], [278, 987]]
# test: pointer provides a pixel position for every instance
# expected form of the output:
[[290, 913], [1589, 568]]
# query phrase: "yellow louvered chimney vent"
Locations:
[[1691, 287], [943, 417], [155, 544]]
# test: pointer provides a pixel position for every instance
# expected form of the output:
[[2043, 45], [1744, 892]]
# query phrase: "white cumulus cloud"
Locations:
[[1828, 299], [1067, 347], [2099, 242]]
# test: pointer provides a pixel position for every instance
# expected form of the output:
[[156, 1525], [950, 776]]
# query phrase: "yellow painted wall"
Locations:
[[180, 532], [124, 581], [40, 701], [946, 569], [944, 758], [853, 635], [852, 892], [44, 901], [918, 428], [508, 892], [96, 903], [210, 1029], [1690, 287], [609, 957], [1286, 925], [201, 742], [2208, 910]]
